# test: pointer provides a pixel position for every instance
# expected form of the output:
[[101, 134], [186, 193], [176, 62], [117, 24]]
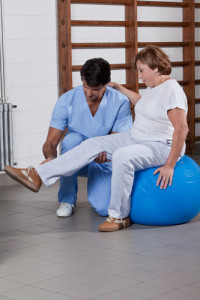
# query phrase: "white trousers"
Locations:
[[128, 155]]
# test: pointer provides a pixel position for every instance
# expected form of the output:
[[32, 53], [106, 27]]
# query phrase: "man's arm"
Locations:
[[102, 158], [50, 146]]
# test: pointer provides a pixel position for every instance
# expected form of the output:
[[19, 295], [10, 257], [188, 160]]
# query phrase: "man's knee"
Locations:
[[70, 141], [99, 183], [102, 210]]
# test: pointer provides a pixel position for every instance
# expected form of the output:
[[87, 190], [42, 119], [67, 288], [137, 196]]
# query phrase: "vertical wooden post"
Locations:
[[189, 70], [64, 46], [131, 37]]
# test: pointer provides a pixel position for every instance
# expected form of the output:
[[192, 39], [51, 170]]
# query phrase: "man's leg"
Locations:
[[67, 194], [99, 186]]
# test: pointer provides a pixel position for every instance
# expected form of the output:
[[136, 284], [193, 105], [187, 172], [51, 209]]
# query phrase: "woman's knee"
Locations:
[[120, 156], [122, 160], [70, 141]]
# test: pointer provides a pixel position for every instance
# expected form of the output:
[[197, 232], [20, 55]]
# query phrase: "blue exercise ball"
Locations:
[[177, 204]]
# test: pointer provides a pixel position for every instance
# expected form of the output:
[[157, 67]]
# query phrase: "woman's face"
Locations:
[[148, 76]]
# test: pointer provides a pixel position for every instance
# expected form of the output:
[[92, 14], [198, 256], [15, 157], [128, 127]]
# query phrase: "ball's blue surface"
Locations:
[[175, 205]]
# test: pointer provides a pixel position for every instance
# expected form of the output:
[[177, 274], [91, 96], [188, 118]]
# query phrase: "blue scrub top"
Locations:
[[72, 112]]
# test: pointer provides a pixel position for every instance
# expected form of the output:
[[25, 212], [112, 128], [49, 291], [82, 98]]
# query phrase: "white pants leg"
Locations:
[[80, 156], [125, 162], [127, 157]]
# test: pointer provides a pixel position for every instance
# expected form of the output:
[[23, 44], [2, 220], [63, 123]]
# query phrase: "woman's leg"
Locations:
[[75, 159], [125, 162]]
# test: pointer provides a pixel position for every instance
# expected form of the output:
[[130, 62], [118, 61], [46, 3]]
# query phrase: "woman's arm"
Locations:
[[132, 96], [178, 119]]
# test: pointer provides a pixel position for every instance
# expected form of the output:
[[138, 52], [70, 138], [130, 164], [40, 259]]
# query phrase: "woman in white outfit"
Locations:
[[157, 138]]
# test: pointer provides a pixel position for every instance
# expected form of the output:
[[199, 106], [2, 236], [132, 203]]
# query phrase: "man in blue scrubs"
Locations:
[[90, 110]]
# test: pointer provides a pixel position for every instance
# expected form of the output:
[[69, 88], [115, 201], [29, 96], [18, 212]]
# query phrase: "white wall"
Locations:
[[30, 35], [98, 34], [31, 60], [31, 72]]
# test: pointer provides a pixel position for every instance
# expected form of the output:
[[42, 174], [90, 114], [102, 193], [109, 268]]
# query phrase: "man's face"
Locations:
[[93, 93]]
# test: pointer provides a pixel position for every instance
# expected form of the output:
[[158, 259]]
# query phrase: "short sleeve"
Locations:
[[124, 119], [59, 118], [176, 98]]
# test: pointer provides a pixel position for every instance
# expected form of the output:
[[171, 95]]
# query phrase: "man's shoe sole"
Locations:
[[63, 216]]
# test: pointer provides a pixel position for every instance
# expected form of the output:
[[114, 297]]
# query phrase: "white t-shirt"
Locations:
[[151, 120]]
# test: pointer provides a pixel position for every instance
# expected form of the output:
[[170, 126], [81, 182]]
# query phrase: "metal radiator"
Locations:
[[6, 135]]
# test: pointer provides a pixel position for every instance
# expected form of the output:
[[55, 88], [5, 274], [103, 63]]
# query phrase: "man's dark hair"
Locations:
[[96, 71]]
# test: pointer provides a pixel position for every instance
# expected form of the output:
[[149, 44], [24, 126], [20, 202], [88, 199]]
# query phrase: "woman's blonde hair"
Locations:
[[154, 57]]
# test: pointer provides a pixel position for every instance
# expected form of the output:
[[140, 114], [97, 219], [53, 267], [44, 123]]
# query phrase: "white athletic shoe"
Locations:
[[65, 210]]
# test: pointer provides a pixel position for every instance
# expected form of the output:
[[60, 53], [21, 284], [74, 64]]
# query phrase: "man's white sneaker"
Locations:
[[65, 210]]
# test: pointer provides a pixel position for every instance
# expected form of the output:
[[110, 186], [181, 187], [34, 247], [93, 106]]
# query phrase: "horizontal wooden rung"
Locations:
[[129, 23], [197, 120], [120, 66], [197, 43], [112, 66], [180, 63], [162, 24], [142, 85], [181, 82], [197, 63], [129, 44], [197, 138], [164, 44], [117, 2], [129, 86], [161, 3], [197, 24], [197, 81], [197, 5], [197, 100], [102, 45], [100, 23]]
